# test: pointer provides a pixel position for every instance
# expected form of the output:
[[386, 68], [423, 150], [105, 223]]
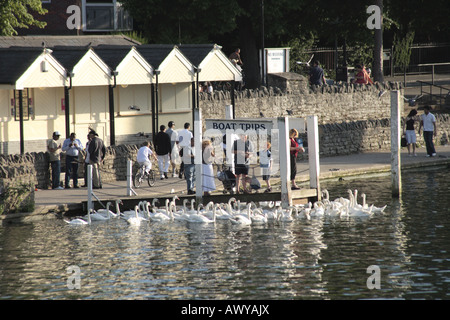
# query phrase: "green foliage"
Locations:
[[15, 14], [299, 51], [402, 50]]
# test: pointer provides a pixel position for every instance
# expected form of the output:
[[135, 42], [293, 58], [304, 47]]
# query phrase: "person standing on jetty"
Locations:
[[189, 166], [97, 153], [173, 134], [410, 132], [72, 147], [184, 140], [162, 146], [54, 150], [428, 122], [294, 150]]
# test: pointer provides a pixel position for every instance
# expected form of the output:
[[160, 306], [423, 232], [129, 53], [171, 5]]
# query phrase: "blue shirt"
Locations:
[[72, 150]]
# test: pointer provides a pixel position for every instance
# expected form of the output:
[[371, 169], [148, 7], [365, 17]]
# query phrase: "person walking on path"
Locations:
[[54, 150], [295, 149], [173, 134], [162, 146], [428, 122], [97, 153], [184, 140], [72, 147], [189, 166], [410, 132], [265, 163]]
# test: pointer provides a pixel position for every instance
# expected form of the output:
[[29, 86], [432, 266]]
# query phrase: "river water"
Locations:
[[324, 258]]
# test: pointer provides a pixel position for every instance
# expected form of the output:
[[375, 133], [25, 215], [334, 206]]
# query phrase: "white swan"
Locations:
[[318, 210], [136, 219], [286, 215], [240, 218], [305, 212], [107, 213], [79, 221], [161, 214], [200, 218], [258, 217]]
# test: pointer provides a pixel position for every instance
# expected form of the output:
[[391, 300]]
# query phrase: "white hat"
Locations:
[[56, 133]]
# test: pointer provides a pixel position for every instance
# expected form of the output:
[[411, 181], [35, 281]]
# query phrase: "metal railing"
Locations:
[[440, 96]]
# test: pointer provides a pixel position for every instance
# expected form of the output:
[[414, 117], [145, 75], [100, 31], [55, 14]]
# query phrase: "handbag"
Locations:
[[403, 142]]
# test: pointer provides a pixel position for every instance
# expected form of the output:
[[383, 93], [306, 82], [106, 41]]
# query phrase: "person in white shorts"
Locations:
[[410, 132], [143, 155]]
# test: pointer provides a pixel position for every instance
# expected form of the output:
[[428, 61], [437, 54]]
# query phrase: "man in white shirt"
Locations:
[[143, 156], [173, 134], [72, 147], [184, 140], [428, 122]]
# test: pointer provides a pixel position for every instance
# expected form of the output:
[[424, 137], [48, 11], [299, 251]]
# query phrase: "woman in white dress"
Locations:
[[208, 171]]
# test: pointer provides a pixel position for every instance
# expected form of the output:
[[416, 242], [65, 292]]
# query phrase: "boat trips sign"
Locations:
[[239, 124]]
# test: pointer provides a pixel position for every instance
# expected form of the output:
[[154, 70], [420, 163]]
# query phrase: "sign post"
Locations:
[[396, 176]]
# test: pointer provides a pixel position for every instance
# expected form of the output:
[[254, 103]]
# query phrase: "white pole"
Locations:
[[285, 168], [229, 111], [198, 156], [396, 176], [313, 153], [130, 190], [89, 187]]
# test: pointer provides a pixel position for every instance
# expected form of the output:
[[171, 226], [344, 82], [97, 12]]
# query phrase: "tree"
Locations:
[[237, 22], [15, 14], [378, 48]]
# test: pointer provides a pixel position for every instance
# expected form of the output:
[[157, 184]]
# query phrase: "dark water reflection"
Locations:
[[318, 259]]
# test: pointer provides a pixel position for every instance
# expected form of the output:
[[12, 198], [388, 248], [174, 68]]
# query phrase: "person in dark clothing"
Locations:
[[97, 152], [163, 148], [316, 75]]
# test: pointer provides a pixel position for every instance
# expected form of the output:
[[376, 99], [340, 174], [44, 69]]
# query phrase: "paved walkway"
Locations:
[[48, 201]]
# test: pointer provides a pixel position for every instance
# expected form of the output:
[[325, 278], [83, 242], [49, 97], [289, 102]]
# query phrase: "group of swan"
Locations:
[[233, 212]]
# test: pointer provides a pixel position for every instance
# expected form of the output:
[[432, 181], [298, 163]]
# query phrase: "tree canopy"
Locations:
[[16, 14], [238, 23]]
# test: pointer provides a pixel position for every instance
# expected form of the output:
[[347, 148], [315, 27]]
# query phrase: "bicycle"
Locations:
[[141, 175]]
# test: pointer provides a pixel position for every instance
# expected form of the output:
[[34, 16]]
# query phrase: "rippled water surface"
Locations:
[[317, 259]]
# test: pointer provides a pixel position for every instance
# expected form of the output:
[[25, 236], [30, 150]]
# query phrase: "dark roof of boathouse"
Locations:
[[155, 53], [112, 55], [195, 53], [15, 61]]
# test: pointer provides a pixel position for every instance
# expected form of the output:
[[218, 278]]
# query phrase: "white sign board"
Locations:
[[277, 60]]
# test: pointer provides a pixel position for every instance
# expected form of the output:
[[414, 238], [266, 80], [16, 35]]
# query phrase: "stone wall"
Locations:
[[331, 104], [17, 181]]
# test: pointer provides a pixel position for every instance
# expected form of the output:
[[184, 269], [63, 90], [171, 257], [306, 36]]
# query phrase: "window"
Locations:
[[105, 15]]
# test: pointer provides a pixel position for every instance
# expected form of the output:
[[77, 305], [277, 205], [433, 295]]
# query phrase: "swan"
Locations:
[[305, 212], [161, 214], [136, 220], [258, 217], [374, 209], [222, 214], [79, 221], [108, 213], [318, 210], [286, 215], [240, 218], [181, 215], [200, 218]]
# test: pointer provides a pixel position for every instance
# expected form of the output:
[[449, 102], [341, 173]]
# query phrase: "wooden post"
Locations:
[[313, 154], [284, 156], [198, 155], [396, 177]]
